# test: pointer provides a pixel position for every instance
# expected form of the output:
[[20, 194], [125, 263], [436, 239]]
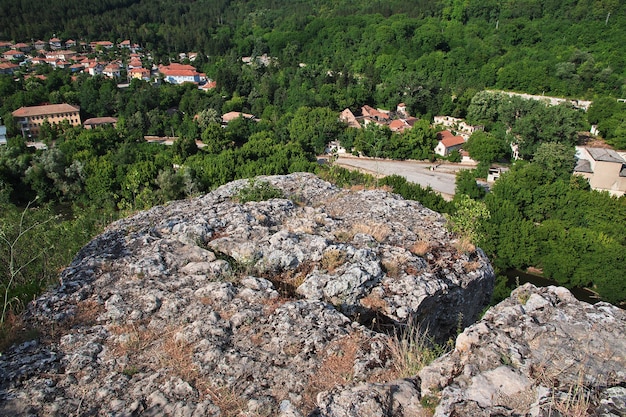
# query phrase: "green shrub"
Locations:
[[257, 191]]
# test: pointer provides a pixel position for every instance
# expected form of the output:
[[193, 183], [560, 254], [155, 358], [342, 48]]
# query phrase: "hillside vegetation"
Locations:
[[571, 48]]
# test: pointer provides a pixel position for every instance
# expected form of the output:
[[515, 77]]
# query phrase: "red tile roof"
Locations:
[[45, 110], [448, 139]]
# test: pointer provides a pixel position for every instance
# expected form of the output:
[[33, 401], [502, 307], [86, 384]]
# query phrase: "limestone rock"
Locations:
[[538, 353], [209, 307]]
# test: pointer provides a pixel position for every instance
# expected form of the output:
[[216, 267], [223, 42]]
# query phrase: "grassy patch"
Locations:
[[412, 350]]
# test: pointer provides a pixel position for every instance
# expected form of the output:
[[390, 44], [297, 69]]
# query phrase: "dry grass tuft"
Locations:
[[14, 331], [391, 267], [227, 400], [578, 400], [374, 302], [471, 266], [86, 313], [412, 350], [332, 259], [420, 248], [143, 345], [336, 368], [464, 245], [378, 231]]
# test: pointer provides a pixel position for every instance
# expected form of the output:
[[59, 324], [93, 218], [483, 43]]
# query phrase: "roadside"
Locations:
[[440, 177]]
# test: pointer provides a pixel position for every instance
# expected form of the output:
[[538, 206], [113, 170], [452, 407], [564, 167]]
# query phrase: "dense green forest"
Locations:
[[438, 53], [438, 57]]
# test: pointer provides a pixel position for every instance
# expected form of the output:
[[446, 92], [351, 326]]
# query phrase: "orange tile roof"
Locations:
[[448, 139], [44, 110]]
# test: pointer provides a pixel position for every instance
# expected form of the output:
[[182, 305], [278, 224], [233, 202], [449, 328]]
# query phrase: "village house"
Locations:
[[349, 118], [230, 116], [55, 43], [112, 70], [179, 73], [40, 45], [24, 47], [604, 168], [448, 143], [457, 125], [139, 73], [377, 116], [209, 85], [99, 121], [61, 54], [13, 55], [3, 134], [8, 68], [70, 43], [101, 45], [30, 119]]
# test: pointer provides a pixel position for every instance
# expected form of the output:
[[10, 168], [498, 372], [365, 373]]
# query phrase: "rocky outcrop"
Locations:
[[539, 353], [212, 307]]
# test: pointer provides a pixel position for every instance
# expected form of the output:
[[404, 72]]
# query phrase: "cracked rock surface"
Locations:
[[211, 307]]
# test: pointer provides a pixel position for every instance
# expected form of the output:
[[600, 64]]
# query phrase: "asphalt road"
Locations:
[[440, 177]]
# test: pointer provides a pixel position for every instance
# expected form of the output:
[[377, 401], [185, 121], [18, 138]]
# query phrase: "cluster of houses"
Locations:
[[84, 57], [604, 168], [454, 134]]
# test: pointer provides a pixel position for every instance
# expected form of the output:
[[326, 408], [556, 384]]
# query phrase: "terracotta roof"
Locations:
[[209, 85], [448, 139], [100, 120], [45, 110], [398, 124], [234, 115], [180, 70], [8, 65], [372, 112]]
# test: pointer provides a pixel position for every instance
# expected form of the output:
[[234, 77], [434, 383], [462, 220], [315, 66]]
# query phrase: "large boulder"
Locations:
[[539, 353], [210, 306]]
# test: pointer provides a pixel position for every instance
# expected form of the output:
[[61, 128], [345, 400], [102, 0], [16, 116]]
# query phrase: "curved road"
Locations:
[[440, 177]]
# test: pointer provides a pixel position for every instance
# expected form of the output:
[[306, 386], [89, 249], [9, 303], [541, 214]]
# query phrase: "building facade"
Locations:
[[604, 168], [30, 119]]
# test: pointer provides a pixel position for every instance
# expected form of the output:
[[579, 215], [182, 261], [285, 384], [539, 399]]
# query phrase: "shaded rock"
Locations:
[[538, 353]]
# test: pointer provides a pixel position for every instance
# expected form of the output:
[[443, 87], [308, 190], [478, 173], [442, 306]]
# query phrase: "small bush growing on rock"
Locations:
[[257, 191]]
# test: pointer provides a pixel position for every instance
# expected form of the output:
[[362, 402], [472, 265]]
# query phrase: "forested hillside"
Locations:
[[570, 48]]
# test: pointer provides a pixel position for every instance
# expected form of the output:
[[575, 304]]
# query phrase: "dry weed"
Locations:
[[464, 245], [412, 350], [332, 259], [471, 266], [335, 369], [391, 267], [227, 400], [374, 302], [420, 248], [14, 331], [378, 231], [578, 399], [343, 235]]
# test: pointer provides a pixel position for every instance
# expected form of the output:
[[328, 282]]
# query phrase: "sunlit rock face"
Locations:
[[212, 306]]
